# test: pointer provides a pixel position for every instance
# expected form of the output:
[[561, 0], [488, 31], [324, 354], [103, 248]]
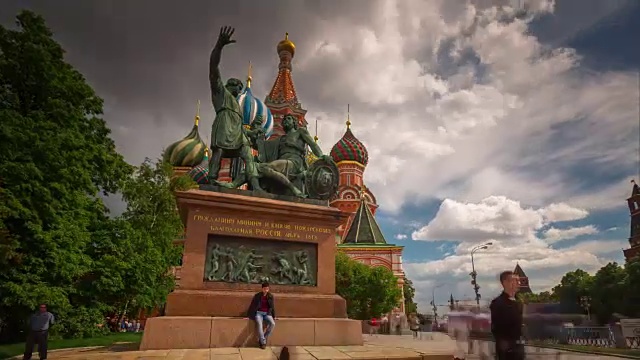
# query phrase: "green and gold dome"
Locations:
[[188, 152]]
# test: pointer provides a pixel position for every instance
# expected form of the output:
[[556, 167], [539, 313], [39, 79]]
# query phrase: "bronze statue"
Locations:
[[228, 138], [282, 160]]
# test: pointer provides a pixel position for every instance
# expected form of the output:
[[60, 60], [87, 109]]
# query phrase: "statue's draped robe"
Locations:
[[272, 150], [226, 131]]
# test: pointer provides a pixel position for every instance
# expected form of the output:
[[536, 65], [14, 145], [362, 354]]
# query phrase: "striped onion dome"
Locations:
[[252, 108], [349, 148], [189, 151], [199, 173]]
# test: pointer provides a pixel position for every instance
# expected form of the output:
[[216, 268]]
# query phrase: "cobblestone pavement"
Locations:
[[404, 341], [430, 346]]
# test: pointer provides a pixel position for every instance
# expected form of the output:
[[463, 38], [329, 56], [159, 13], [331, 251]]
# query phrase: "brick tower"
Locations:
[[282, 99], [634, 237], [523, 280], [352, 157]]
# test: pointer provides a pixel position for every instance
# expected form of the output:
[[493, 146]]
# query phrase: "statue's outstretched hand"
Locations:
[[225, 36]]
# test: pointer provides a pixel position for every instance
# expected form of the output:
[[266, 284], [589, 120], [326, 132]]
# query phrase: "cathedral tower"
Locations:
[[282, 99], [634, 237], [523, 280], [352, 157], [361, 237]]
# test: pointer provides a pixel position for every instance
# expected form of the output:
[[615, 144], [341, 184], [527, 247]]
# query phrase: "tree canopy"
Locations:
[[612, 289], [369, 292], [57, 243], [409, 293]]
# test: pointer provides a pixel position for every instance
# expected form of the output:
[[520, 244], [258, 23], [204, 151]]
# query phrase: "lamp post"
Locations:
[[433, 302], [473, 273]]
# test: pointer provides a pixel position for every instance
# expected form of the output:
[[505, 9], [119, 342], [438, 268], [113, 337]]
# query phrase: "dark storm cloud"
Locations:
[[149, 59]]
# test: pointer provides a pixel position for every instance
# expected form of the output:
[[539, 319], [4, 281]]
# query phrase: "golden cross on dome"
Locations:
[[249, 78], [315, 138], [348, 120], [197, 120]]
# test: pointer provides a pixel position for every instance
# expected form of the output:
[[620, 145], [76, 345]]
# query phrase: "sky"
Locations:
[[510, 122]]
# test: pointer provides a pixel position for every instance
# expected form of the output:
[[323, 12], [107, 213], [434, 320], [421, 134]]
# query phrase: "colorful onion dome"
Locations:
[[253, 108], [189, 151], [200, 173], [349, 148], [286, 45]]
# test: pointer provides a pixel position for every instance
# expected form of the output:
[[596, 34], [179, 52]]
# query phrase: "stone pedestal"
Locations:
[[193, 332], [295, 244]]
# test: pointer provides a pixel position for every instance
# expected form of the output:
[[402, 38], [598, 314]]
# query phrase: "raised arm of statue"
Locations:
[[217, 87]]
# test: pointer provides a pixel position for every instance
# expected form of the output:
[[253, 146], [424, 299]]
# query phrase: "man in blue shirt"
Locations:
[[39, 324]]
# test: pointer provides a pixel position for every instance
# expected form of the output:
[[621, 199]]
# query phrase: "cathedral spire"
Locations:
[[249, 78], [283, 90], [282, 100]]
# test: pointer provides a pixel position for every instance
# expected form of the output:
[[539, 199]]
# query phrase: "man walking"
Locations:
[[506, 320], [262, 309], [39, 324]]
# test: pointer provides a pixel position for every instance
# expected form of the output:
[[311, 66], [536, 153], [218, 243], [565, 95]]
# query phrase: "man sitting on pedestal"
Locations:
[[262, 309]]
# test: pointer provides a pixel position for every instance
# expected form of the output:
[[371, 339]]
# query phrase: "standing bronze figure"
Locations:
[[228, 138]]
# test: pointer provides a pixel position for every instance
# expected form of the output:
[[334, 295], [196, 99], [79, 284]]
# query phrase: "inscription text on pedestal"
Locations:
[[263, 229]]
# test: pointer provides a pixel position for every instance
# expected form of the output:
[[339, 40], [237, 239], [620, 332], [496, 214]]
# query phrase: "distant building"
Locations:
[[634, 237], [523, 280]]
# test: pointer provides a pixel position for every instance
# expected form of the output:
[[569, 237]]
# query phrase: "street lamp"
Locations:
[[473, 273], [433, 302]]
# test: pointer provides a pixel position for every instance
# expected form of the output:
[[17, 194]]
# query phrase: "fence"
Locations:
[[599, 336]]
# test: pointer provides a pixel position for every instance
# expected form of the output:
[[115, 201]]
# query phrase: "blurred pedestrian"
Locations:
[[506, 320], [414, 324], [39, 324]]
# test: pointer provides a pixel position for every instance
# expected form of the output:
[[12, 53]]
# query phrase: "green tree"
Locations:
[[632, 289], [55, 157], [542, 297], [409, 293], [369, 292], [134, 251], [608, 292], [572, 287]]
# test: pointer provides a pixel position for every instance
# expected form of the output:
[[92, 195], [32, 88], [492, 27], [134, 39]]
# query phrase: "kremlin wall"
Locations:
[[360, 237]]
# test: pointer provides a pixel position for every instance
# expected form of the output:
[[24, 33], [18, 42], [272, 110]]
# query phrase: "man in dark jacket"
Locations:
[[262, 309], [506, 320], [39, 324]]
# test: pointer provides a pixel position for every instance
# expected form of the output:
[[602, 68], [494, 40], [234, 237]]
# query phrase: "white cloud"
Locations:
[[600, 247], [400, 236], [476, 105], [499, 218], [563, 212], [553, 235], [512, 229]]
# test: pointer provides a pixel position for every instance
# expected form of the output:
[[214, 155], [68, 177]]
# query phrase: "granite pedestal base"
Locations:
[[235, 304], [192, 332]]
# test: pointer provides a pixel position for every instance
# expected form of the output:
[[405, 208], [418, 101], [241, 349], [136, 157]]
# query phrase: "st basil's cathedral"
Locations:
[[360, 237]]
